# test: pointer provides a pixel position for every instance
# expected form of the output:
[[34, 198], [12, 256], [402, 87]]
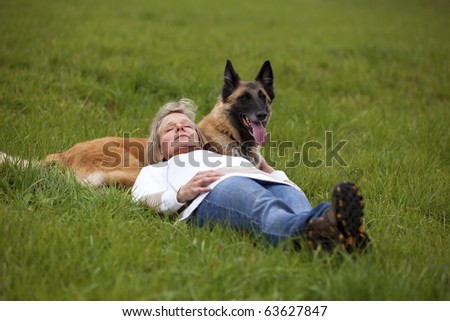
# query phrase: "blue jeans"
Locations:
[[272, 211]]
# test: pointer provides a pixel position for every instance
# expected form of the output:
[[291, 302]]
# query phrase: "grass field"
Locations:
[[374, 73]]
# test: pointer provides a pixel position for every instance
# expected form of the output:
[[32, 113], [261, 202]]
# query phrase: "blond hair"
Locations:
[[184, 106]]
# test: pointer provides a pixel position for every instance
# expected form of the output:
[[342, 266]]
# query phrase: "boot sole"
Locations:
[[348, 204]]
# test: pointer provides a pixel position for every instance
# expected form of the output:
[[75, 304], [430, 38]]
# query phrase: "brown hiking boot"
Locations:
[[342, 225]]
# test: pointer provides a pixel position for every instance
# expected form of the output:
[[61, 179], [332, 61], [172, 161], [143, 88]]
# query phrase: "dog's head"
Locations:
[[249, 103]]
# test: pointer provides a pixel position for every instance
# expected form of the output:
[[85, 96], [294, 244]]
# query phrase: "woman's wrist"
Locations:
[[179, 200]]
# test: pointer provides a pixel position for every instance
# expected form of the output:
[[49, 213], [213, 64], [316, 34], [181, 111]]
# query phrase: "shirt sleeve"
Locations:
[[169, 201], [151, 188]]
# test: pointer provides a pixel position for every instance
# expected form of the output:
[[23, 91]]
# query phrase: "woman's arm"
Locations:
[[151, 188]]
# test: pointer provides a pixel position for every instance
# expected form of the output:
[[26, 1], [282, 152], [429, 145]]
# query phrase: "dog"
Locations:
[[235, 126]]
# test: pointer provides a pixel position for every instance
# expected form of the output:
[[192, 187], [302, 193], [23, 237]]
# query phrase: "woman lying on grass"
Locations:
[[209, 189]]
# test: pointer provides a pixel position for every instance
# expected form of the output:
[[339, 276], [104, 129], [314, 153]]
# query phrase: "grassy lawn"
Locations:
[[373, 73]]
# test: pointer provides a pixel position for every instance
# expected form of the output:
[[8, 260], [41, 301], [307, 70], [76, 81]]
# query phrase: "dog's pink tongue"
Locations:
[[259, 133]]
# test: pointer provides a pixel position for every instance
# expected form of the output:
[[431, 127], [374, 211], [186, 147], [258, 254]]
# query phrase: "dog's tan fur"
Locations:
[[105, 161], [118, 161]]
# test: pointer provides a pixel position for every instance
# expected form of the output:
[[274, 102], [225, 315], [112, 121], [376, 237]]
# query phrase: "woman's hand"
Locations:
[[197, 185]]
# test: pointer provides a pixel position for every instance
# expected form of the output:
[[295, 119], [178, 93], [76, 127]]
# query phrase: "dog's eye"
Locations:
[[261, 95], [246, 96]]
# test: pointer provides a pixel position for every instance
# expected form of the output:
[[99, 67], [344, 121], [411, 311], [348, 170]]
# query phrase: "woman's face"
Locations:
[[177, 135]]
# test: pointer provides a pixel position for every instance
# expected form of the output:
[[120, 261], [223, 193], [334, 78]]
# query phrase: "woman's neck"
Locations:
[[186, 149]]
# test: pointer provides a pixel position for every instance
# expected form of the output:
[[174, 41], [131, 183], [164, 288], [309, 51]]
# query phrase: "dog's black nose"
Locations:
[[261, 116]]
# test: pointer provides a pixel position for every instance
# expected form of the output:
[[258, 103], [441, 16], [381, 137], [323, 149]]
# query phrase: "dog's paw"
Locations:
[[95, 180], [4, 157]]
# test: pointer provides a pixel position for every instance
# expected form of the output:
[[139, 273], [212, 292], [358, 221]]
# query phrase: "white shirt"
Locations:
[[157, 185]]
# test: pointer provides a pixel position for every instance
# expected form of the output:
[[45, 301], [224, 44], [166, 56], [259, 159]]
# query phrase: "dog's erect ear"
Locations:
[[265, 77], [230, 80]]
